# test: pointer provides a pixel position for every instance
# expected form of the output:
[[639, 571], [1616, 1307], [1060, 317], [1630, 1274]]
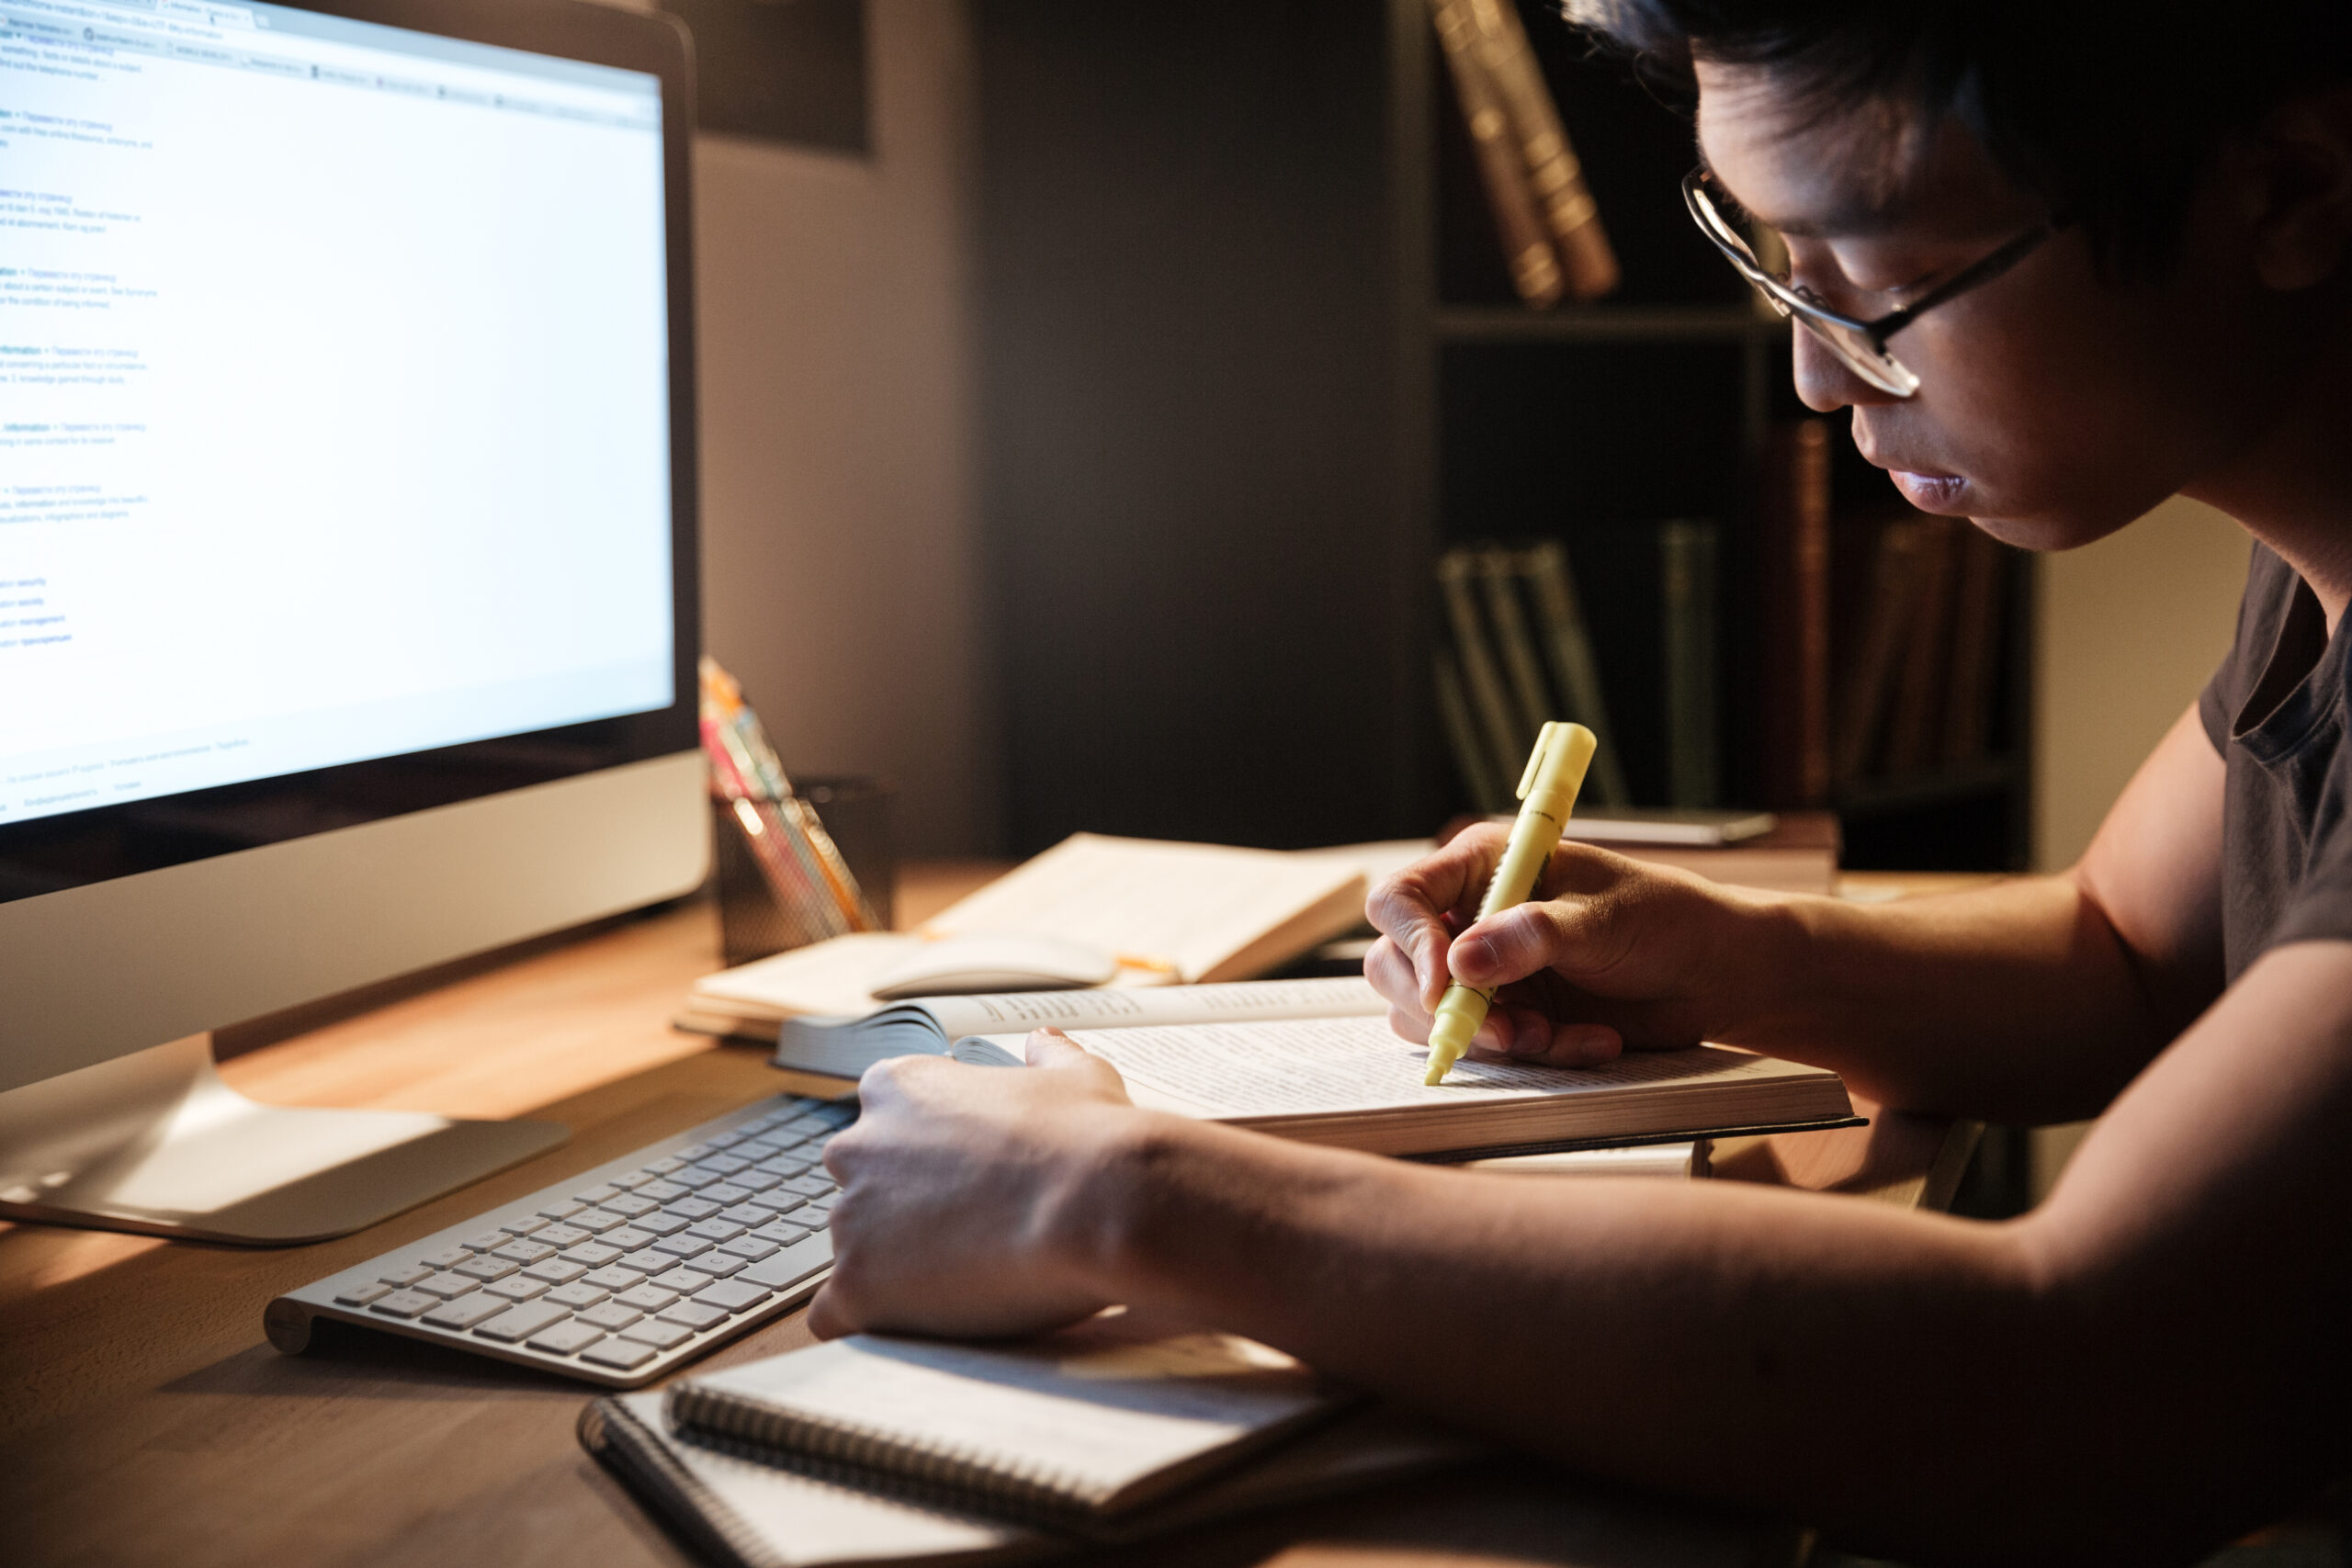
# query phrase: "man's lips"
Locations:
[[1928, 490]]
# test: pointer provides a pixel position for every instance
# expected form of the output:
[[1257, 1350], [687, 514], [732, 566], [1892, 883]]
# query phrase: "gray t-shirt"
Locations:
[[2275, 711]]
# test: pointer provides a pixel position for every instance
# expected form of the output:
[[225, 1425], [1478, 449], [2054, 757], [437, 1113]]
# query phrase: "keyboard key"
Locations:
[[760, 1149], [726, 1165], [633, 1180], [404, 1304], [691, 1209], [613, 1279], [718, 1265], [693, 1178], [750, 1248], [695, 1316], [561, 1235], [592, 1254], [819, 1205], [577, 1294], [662, 1191], [659, 1223], [621, 1355], [611, 1315], [778, 1202], [445, 1287], [598, 1221], [785, 1164], [717, 1228], [408, 1275], [484, 1269], [752, 1181], [810, 1185], [664, 1165], [556, 1270], [523, 1226], [647, 1298], [724, 1192], [658, 1333], [733, 1296], [560, 1210], [685, 1281], [746, 1215], [360, 1295], [522, 1251], [689, 1153], [597, 1193], [791, 1265], [815, 1218], [628, 1205], [447, 1258], [467, 1311], [518, 1289], [809, 1123], [725, 1140], [645, 1261], [629, 1239], [522, 1322], [685, 1244], [565, 1338], [489, 1241]]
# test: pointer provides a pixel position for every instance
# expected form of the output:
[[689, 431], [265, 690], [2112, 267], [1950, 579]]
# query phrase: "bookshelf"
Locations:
[[1251, 361]]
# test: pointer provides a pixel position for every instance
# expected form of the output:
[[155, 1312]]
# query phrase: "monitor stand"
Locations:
[[154, 1142]]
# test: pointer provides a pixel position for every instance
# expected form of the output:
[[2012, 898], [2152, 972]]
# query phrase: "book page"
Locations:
[[1007, 1011], [1310, 1066], [1187, 906]]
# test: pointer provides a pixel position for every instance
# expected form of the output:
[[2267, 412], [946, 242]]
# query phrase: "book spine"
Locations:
[[1019, 1488], [1569, 649], [1470, 758], [1793, 665], [1507, 745], [1499, 575], [1927, 654], [1519, 221], [1687, 578], [1553, 174], [1976, 639], [615, 1439], [1869, 675]]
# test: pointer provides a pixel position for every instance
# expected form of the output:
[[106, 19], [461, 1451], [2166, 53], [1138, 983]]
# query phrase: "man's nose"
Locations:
[[1824, 384]]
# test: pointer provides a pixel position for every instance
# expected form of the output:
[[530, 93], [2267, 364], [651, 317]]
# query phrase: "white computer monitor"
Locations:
[[348, 570]]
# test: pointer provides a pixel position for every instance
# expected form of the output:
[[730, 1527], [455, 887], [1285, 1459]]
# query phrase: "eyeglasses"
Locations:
[[1859, 345]]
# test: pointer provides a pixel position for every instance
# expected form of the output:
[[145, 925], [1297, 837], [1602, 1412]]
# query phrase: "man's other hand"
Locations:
[[958, 1185], [1607, 953]]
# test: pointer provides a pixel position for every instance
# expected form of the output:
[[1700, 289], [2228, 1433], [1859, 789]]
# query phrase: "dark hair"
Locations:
[[2108, 109]]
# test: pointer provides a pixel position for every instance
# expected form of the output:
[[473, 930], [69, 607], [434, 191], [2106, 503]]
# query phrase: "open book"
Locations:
[[872, 1449], [1162, 913], [1351, 1083]]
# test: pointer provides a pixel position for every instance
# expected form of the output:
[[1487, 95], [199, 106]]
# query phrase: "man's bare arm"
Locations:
[[2145, 1364], [2033, 1000]]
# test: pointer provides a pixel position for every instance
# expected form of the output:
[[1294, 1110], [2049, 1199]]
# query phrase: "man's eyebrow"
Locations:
[[1855, 216]]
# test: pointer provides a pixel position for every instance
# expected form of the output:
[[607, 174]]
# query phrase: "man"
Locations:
[[2062, 261]]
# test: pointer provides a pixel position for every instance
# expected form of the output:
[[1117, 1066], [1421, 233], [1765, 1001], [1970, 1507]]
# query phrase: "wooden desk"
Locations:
[[145, 1421]]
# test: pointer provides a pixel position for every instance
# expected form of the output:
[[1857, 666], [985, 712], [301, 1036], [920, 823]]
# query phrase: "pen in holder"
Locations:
[[783, 880]]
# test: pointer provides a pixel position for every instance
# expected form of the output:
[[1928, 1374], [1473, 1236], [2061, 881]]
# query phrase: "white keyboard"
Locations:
[[619, 1274]]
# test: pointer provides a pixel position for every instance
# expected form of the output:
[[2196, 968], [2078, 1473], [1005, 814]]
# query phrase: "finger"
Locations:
[[1410, 1025], [827, 1318], [1563, 933], [1053, 1051], [1391, 974], [1409, 906]]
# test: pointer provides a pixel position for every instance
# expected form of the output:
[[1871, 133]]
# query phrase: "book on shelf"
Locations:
[[1543, 210], [1794, 851], [1920, 679], [1687, 610], [1462, 738], [875, 1449], [1507, 739], [1793, 666], [1567, 648], [1157, 912]]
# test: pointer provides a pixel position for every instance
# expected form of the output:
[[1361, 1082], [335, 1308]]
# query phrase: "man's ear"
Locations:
[[2299, 190]]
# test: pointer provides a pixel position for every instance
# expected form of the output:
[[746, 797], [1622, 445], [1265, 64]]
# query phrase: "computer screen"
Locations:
[[334, 425]]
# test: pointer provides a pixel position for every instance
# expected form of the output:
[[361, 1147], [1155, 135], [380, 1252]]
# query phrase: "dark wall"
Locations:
[[1199, 484]]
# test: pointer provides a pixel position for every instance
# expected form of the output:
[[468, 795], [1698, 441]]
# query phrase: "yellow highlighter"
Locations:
[[1554, 774]]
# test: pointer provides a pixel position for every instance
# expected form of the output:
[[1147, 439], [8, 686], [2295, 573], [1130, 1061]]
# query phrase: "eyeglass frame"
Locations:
[[1793, 299]]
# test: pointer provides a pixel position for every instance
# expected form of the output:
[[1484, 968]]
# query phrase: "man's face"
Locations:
[[2052, 407]]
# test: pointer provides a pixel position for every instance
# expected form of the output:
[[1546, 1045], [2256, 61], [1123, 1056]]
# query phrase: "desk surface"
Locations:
[[147, 1421]]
